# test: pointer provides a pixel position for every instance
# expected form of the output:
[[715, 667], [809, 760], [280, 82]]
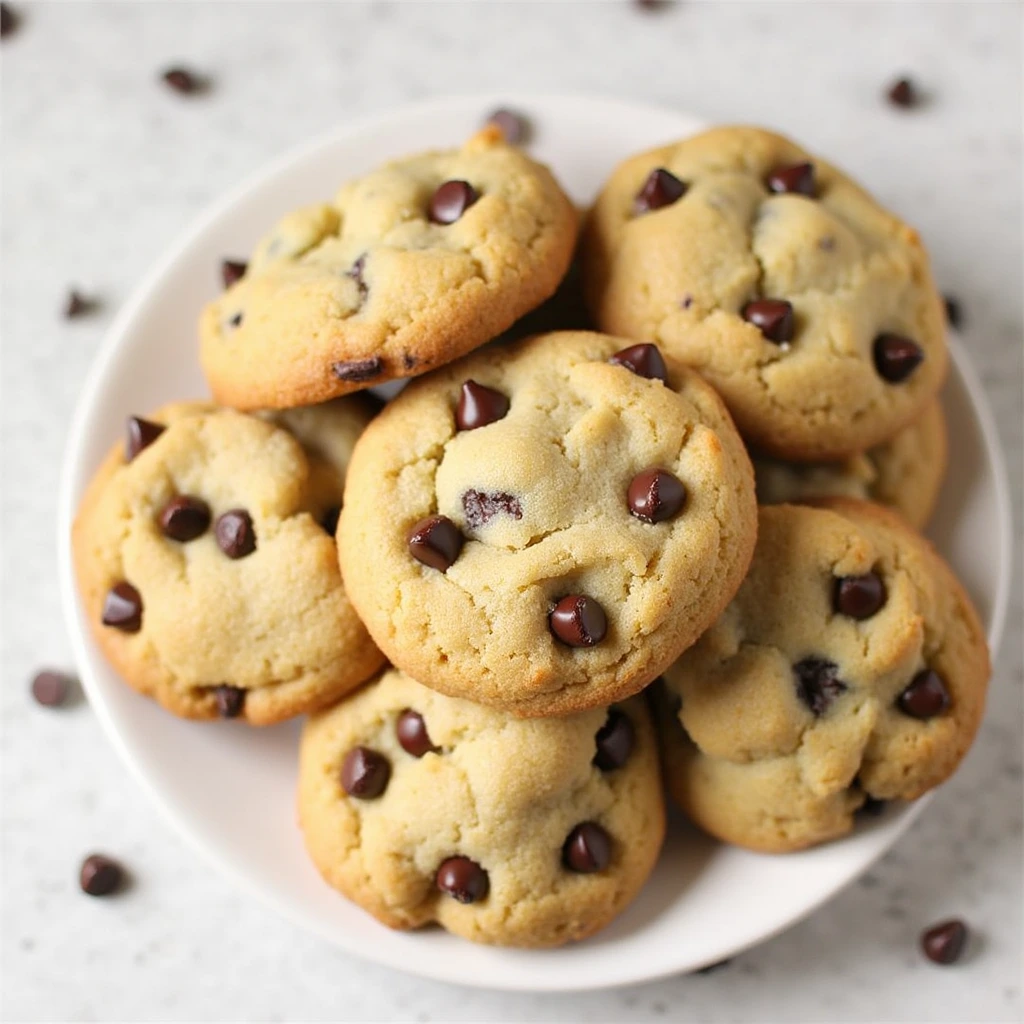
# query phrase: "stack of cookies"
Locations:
[[537, 583]]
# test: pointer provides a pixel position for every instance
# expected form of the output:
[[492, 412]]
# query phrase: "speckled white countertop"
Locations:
[[102, 167]]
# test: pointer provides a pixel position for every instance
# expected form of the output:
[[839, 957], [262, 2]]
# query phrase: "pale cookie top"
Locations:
[[904, 473], [421, 807], [851, 664], [542, 529], [410, 266], [205, 556], [810, 308]]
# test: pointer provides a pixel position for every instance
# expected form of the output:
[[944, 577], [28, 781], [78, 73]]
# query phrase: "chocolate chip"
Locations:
[[51, 689], [774, 318], [100, 875], [462, 879], [954, 314], [860, 597], [140, 434], [944, 943], [409, 360], [232, 271], [818, 684], [230, 700], [903, 93], [356, 273], [896, 357], [798, 178], [480, 507], [925, 697], [236, 536], [8, 20], [365, 773], [655, 495], [588, 849], [579, 621], [122, 608], [662, 188], [479, 405], [236, 320], [78, 305], [643, 360], [614, 741], [412, 733], [329, 520], [357, 370], [513, 126], [451, 200], [184, 81], [184, 518], [435, 541]]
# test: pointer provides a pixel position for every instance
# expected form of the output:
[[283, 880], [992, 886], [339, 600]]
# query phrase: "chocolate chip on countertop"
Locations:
[[183, 81], [773, 317], [655, 495], [365, 773], [140, 434], [896, 357], [51, 688], [644, 360], [436, 542], [230, 700], [78, 305], [859, 597], [587, 849], [514, 127], [462, 879], [100, 875], [235, 533], [661, 188], [232, 271], [614, 741], [944, 943], [122, 608], [411, 730], [451, 200], [479, 405], [358, 370], [184, 518], [925, 697], [797, 178], [818, 684], [903, 93], [578, 621]]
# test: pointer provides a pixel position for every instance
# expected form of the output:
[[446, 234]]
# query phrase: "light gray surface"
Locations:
[[101, 169]]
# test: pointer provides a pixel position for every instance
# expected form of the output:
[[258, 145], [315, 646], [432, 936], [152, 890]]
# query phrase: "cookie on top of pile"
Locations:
[[535, 532]]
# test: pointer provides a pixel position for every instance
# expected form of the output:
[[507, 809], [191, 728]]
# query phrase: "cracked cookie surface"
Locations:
[[850, 665], [396, 276], [542, 530], [207, 566], [904, 473], [421, 807], [810, 308]]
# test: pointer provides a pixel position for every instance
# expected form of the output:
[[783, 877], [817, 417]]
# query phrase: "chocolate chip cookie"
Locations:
[[411, 266], [421, 807], [545, 527], [850, 667], [810, 308], [205, 555], [904, 473]]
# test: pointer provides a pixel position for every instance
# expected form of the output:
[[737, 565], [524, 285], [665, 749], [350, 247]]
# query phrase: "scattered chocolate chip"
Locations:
[[122, 608], [462, 879], [100, 875], [412, 733], [944, 943], [451, 200], [774, 318], [798, 178], [860, 597], [614, 741], [230, 700], [236, 320], [232, 271], [818, 684], [588, 849], [954, 313], [514, 127], [643, 360], [872, 807], [655, 495], [925, 697], [184, 518], [184, 81], [711, 968], [78, 305], [435, 541], [480, 507], [479, 405], [896, 357], [51, 689], [662, 188], [356, 273], [236, 536], [8, 20], [903, 93], [139, 434], [579, 621], [365, 773], [329, 520], [357, 370]]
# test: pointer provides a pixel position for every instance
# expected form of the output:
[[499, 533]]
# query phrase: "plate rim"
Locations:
[[68, 498]]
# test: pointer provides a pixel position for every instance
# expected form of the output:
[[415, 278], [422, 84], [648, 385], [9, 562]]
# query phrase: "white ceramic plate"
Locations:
[[705, 901]]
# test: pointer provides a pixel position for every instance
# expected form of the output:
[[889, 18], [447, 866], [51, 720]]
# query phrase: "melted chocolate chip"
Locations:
[[230, 700], [462, 879], [479, 405], [662, 188], [358, 370], [773, 317], [480, 507], [614, 741], [365, 773], [451, 200], [860, 597], [818, 684], [100, 875], [655, 495], [232, 271], [235, 533], [944, 943], [643, 360], [235, 321], [797, 178], [139, 434], [925, 697], [579, 621], [411, 730], [435, 541], [587, 849], [514, 127], [896, 357], [184, 518], [122, 608], [356, 273]]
